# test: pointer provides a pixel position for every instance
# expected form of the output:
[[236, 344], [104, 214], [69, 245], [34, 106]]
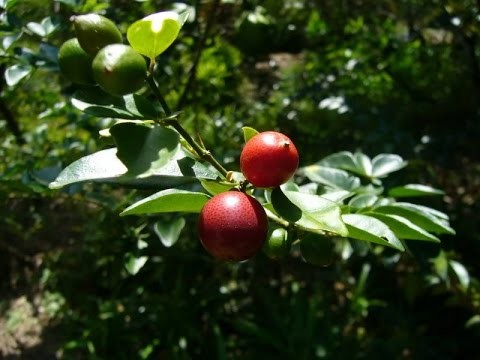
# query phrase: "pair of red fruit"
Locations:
[[233, 225]]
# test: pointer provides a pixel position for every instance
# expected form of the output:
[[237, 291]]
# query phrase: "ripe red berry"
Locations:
[[269, 159], [233, 226]]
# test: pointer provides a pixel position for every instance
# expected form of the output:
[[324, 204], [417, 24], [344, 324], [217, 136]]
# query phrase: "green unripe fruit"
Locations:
[[119, 70], [75, 63], [317, 249], [277, 245], [95, 32]]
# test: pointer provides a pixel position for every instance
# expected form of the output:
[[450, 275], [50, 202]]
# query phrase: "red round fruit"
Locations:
[[269, 159], [233, 226]]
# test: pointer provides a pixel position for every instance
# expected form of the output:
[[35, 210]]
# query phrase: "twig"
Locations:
[[173, 122], [198, 54]]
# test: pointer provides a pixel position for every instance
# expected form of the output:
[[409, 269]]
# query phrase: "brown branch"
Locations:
[[201, 45]]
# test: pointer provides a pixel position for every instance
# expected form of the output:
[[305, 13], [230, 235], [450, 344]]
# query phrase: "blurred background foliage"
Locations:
[[78, 281]]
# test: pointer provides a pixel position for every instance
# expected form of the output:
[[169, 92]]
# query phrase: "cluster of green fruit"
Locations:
[[98, 56], [234, 225]]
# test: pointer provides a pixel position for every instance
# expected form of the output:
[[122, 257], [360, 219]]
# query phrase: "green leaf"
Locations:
[[248, 133], [215, 187], [170, 200], [367, 228], [336, 196], [474, 320], [153, 34], [335, 178], [384, 164], [363, 201], [134, 264], [364, 165], [169, 231], [341, 160], [403, 228], [422, 216], [461, 273], [96, 102], [101, 165], [411, 190], [310, 212], [15, 73], [147, 157]]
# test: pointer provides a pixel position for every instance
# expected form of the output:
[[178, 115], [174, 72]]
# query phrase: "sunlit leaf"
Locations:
[[403, 228], [248, 133], [169, 231], [461, 273], [367, 228], [411, 190], [134, 264], [170, 200], [384, 164], [421, 216], [15, 73], [335, 178], [153, 34]]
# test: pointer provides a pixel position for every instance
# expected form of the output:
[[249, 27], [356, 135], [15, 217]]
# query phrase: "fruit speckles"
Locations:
[[269, 159], [233, 226]]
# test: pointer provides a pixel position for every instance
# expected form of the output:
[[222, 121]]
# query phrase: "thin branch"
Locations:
[[153, 85], [198, 54], [173, 122]]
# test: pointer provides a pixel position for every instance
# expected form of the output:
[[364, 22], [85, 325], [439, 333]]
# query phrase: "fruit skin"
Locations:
[[119, 70], [269, 159], [75, 63], [95, 32], [232, 226], [317, 249], [277, 245]]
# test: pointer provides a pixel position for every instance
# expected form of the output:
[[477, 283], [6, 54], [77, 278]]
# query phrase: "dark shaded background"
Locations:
[[379, 76]]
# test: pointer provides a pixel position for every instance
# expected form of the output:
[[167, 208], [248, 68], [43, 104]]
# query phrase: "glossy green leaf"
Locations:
[[367, 228], [461, 273], [169, 231], [411, 190], [215, 187], [363, 201], [15, 73], [146, 157], [310, 212], [101, 165], [403, 228], [134, 264], [96, 102], [341, 160], [421, 216], [153, 34], [170, 200], [335, 178], [248, 133], [384, 164], [336, 196], [364, 165]]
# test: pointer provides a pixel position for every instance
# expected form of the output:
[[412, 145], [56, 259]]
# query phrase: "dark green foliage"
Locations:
[[365, 77]]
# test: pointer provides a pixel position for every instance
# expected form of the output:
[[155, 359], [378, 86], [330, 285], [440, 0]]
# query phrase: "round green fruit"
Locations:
[[317, 249], [232, 226], [277, 245], [95, 32], [269, 159], [119, 70], [75, 63]]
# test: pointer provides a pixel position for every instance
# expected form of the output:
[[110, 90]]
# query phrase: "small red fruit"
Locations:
[[233, 226], [269, 159]]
